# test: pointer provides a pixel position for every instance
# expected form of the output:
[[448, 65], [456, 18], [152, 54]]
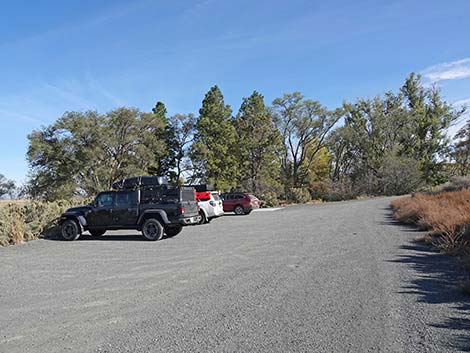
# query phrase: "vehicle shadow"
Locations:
[[438, 280], [109, 237]]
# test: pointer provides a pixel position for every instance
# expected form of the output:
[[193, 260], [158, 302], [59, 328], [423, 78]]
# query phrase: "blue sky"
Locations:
[[58, 56]]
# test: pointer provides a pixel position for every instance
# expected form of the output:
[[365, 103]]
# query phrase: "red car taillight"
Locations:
[[182, 210]]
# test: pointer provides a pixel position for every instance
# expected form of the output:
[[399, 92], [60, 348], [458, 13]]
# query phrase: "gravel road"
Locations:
[[339, 277]]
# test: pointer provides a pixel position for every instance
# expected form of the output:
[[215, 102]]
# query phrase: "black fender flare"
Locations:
[[81, 220], [146, 213]]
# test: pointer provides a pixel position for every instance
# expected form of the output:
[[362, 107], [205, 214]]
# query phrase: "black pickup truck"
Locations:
[[140, 203]]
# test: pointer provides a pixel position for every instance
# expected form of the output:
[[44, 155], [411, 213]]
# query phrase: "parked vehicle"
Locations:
[[141, 203], [210, 205], [239, 202]]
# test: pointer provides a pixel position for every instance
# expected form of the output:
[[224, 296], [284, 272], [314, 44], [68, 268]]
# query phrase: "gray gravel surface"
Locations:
[[339, 277]]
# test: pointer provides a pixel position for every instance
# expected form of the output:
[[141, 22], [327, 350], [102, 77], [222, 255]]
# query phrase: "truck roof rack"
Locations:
[[140, 182], [203, 187]]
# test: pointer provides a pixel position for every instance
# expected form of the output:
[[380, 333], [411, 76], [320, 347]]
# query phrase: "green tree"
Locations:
[[164, 157], [83, 153], [304, 125], [259, 143], [461, 151], [214, 151], [429, 117], [406, 130]]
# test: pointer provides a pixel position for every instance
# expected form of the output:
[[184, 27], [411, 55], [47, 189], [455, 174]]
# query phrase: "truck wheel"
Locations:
[[239, 210], [172, 231], [97, 232], [203, 217], [70, 230], [152, 229]]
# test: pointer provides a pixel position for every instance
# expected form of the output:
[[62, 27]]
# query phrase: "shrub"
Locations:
[[446, 215], [300, 195], [399, 176], [28, 221], [329, 191], [457, 183], [269, 199]]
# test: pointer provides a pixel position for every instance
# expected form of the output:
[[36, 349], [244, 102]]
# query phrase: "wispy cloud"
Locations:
[[70, 95], [98, 88], [448, 71], [7, 114], [462, 102], [112, 13]]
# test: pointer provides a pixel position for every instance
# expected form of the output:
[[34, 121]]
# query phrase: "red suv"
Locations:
[[239, 202]]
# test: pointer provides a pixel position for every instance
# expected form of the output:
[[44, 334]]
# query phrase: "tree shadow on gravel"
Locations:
[[438, 283]]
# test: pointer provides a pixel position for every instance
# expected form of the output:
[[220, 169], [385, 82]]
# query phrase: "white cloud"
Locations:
[[448, 71]]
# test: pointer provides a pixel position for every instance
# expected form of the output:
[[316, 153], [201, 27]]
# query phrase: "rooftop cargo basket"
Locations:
[[203, 187], [140, 182]]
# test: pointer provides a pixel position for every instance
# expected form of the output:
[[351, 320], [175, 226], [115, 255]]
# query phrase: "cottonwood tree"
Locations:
[[214, 151], [259, 146], [429, 117], [304, 125], [404, 131], [461, 151], [83, 153]]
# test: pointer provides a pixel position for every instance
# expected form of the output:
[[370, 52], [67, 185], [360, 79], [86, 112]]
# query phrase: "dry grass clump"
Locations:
[[443, 213], [446, 215], [20, 222]]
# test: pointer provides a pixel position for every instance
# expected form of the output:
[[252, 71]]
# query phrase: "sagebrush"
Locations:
[[20, 222]]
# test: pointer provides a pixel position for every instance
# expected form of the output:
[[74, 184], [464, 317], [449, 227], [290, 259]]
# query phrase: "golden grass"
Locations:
[[443, 213], [446, 215]]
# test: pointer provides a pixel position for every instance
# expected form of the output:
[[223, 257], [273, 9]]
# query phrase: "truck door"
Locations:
[[100, 215], [126, 208]]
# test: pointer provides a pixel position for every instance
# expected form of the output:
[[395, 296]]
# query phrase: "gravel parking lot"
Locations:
[[317, 278]]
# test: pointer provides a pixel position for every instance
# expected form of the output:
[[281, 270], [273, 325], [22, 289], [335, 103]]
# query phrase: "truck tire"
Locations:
[[152, 229], [174, 230], [239, 210], [97, 232], [70, 230]]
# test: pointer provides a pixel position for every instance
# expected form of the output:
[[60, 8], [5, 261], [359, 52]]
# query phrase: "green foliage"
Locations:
[[399, 175], [164, 156], [269, 199], [396, 136], [332, 191], [83, 153], [424, 138], [461, 151], [259, 143], [391, 144], [304, 125], [299, 195], [215, 148]]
